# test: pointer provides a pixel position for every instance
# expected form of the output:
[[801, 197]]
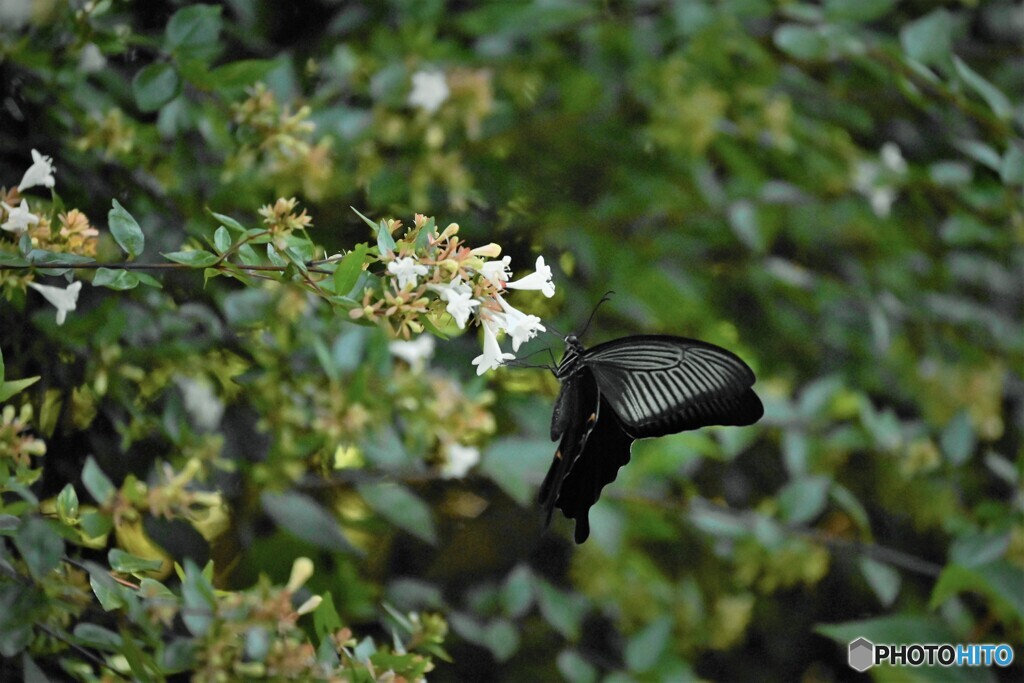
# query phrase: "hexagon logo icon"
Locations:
[[862, 654]]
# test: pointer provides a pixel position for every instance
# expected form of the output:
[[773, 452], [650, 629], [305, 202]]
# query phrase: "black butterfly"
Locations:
[[634, 388]]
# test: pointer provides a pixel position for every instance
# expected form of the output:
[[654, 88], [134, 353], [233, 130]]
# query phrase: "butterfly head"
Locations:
[[573, 342]]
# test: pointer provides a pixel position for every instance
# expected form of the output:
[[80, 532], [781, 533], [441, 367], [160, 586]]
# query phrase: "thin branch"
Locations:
[[79, 649]]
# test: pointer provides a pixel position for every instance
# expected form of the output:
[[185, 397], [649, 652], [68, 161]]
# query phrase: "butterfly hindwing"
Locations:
[[593, 447], [661, 385]]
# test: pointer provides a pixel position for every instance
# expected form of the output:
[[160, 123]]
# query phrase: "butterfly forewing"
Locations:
[[661, 385]]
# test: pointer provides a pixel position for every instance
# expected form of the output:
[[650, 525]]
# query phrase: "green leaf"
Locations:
[[981, 153], [8, 389], [195, 258], [229, 222], [373, 226], [929, 39], [96, 482], [305, 518], [31, 673], [120, 561], [883, 579], [95, 524], [155, 85], [222, 239], [1001, 582], [646, 647], [1011, 170], [513, 464], [194, 32], [241, 73], [67, 504], [325, 618], [97, 636], [803, 499], [958, 439], [110, 593], [401, 507], [802, 42], [385, 242], [148, 280], [517, 593], [126, 230], [564, 611], [575, 668], [117, 279], [973, 549], [40, 546], [198, 600], [996, 100], [346, 274]]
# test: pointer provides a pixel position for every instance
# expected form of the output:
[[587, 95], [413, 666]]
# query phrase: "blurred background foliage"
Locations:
[[832, 190]]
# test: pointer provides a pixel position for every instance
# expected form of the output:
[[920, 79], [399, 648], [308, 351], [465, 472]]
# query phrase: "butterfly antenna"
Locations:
[[607, 296]]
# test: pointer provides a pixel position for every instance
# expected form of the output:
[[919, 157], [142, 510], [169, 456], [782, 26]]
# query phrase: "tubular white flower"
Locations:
[[459, 460], [459, 296], [39, 173], [414, 352], [492, 357], [407, 271], [521, 326], [496, 271], [429, 90], [539, 280], [65, 300], [19, 218], [302, 569]]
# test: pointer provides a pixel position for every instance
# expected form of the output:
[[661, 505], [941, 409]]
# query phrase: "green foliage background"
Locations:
[[725, 167]]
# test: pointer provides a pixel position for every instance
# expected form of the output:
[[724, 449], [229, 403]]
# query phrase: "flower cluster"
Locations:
[[282, 221], [19, 221], [16, 440], [430, 273]]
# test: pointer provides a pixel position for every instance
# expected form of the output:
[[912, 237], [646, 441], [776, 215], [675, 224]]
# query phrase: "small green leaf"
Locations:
[[646, 647], [126, 230], [385, 242], [198, 599], [40, 545], [228, 222], [241, 73], [858, 10], [95, 524], [346, 274], [999, 581], [305, 518], [67, 504], [110, 593], [325, 619], [996, 100], [193, 32], [802, 42], [401, 507], [883, 579], [958, 439], [373, 226], [96, 482], [1011, 171], [8, 389], [155, 85], [222, 239], [148, 280], [97, 636], [126, 563], [117, 279], [195, 258], [564, 611], [803, 499], [928, 40]]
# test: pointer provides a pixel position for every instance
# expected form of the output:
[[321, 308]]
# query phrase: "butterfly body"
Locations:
[[635, 388]]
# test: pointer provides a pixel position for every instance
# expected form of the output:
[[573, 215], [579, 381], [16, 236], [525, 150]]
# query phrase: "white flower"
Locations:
[[539, 280], [461, 303], [18, 217], [413, 352], [429, 90], [64, 299], [201, 403], [39, 173], [406, 270], [892, 158], [91, 59], [459, 460], [492, 357], [496, 271], [521, 326], [882, 199]]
